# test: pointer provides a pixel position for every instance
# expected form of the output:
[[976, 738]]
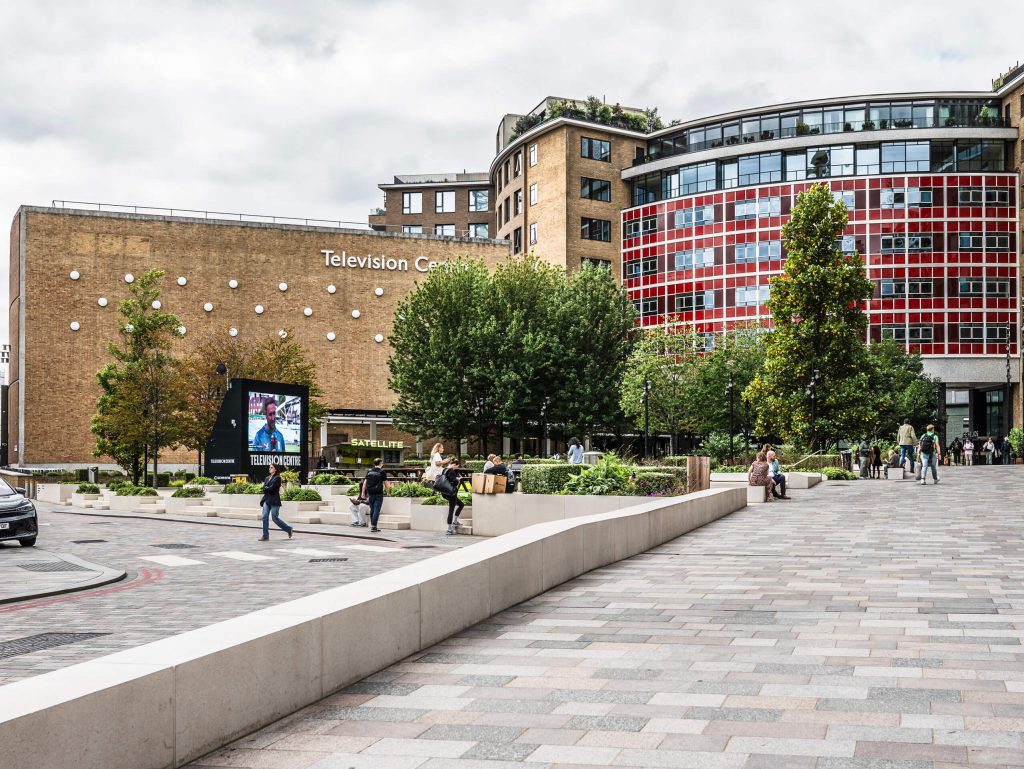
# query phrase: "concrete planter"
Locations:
[[397, 505], [299, 507], [328, 491], [175, 504], [247, 501], [434, 517], [729, 478], [56, 493], [78, 499], [495, 514], [131, 503]]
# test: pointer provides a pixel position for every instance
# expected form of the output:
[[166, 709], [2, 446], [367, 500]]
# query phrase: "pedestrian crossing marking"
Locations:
[[305, 551], [370, 548], [171, 560], [239, 555]]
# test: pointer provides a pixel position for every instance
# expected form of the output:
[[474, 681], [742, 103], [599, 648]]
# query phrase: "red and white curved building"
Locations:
[[932, 190]]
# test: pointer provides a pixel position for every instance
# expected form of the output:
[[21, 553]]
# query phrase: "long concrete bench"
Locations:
[[170, 702]]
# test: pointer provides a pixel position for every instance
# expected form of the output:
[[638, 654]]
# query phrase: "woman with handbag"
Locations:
[[436, 465], [447, 485], [271, 503]]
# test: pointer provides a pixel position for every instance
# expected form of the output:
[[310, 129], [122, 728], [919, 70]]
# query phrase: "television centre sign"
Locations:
[[369, 262]]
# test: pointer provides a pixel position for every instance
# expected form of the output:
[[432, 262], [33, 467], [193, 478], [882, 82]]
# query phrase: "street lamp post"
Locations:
[[647, 417], [544, 426], [1007, 399], [732, 455], [812, 390]]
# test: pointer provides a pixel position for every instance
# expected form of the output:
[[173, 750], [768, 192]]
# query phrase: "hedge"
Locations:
[[819, 461], [409, 490], [189, 492], [88, 488], [437, 499], [297, 494], [163, 479], [678, 473], [329, 479], [202, 480], [547, 478], [648, 484], [244, 488], [145, 491]]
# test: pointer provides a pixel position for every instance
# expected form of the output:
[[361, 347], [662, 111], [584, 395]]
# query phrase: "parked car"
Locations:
[[18, 519]]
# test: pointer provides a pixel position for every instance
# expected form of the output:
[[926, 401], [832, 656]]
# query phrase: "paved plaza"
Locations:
[[864, 625], [181, 575]]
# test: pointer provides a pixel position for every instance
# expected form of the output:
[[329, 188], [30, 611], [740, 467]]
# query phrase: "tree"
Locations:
[[738, 354], [591, 321], [272, 359], [819, 326], [901, 388], [138, 406]]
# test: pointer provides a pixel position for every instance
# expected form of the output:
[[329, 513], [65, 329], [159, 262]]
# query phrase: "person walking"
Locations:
[[990, 449], [968, 451], [956, 450], [575, 451], [776, 474], [1007, 450], [449, 489], [930, 455], [876, 463], [373, 490], [436, 465], [271, 503], [864, 458], [906, 438]]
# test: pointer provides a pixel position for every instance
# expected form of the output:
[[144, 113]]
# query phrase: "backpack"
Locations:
[[927, 444]]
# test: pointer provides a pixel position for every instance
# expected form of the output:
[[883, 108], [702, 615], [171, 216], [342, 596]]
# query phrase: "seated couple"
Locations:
[[765, 471]]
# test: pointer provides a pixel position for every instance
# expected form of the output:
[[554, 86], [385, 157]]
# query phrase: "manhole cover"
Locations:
[[87, 541], [416, 547], [52, 566], [327, 560], [35, 643], [175, 546]]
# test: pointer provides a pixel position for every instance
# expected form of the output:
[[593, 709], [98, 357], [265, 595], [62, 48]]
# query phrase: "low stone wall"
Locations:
[[496, 514], [169, 702]]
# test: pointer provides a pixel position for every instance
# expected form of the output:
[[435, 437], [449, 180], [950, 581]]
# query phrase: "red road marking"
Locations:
[[147, 577]]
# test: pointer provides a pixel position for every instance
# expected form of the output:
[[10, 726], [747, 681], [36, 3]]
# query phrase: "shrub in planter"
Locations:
[[475, 465], [544, 461], [189, 476], [409, 490], [329, 479], [608, 476], [290, 476], [243, 488], [189, 492], [649, 484], [126, 490], [88, 488], [677, 473], [296, 494], [547, 478], [177, 483], [115, 485], [163, 479], [201, 480], [732, 469], [145, 491], [674, 460], [838, 474], [437, 499]]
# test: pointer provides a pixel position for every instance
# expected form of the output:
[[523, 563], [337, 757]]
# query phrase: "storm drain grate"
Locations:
[[417, 547], [88, 541], [35, 643], [175, 546], [327, 560], [52, 566]]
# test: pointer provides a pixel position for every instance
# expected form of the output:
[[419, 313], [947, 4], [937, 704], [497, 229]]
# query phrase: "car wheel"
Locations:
[[28, 542]]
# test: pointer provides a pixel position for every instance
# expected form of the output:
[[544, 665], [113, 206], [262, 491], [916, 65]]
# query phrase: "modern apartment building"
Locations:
[[932, 184], [447, 205]]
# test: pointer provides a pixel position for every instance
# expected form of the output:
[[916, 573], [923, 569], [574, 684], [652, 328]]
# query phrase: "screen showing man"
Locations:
[[275, 423]]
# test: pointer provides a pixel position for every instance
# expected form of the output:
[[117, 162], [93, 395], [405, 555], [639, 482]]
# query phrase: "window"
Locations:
[[975, 241], [697, 257], [698, 300], [976, 196], [830, 161], [596, 149], [640, 267], [646, 307], [595, 189], [507, 176], [478, 230], [892, 244], [533, 155], [901, 157], [690, 217], [412, 229], [972, 332], [758, 252], [846, 197], [997, 288], [445, 230], [508, 209], [479, 200], [517, 164], [697, 178], [444, 202], [760, 169], [644, 226], [594, 261], [752, 209], [899, 289], [751, 296], [517, 240], [518, 196], [847, 244], [996, 333], [707, 341], [533, 194], [907, 334], [868, 161], [898, 197], [971, 287], [596, 229], [533, 233], [412, 202]]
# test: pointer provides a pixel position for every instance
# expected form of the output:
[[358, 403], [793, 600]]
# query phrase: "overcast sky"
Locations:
[[301, 108]]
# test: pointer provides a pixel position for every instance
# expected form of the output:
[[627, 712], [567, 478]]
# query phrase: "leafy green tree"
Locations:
[[738, 355], [901, 388], [441, 345], [819, 324], [139, 403]]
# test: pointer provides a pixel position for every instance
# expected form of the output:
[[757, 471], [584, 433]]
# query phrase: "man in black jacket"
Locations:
[[373, 490]]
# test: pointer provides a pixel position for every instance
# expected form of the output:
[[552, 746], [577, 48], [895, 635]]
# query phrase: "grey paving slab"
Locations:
[[867, 625]]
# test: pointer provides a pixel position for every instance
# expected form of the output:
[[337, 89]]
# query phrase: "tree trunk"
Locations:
[[145, 465]]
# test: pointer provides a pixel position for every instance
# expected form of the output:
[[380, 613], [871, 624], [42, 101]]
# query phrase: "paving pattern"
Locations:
[[210, 573], [868, 625]]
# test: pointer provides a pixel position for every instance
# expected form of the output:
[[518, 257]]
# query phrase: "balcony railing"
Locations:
[[803, 129]]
